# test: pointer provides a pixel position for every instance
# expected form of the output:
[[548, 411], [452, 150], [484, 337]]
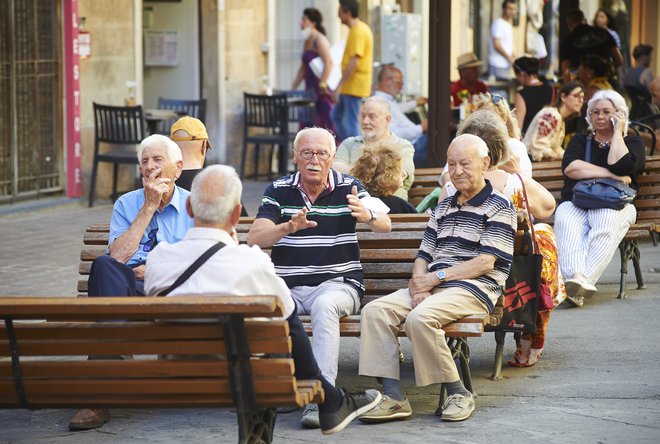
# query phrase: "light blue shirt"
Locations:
[[172, 223]]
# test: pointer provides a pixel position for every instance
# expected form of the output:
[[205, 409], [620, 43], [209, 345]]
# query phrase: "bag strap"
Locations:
[[587, 153], [529, 214], [193, 268]]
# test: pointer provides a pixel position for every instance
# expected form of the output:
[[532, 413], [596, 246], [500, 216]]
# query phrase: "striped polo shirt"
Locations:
[[327, 251], [456, 233]]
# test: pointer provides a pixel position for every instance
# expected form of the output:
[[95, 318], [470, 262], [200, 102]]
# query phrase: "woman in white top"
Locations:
[[541, 206]]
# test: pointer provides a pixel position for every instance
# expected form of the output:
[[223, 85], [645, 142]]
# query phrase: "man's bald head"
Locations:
[[214, 195]]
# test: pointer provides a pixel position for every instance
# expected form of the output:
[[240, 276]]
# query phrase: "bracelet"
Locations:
[[373, 216]]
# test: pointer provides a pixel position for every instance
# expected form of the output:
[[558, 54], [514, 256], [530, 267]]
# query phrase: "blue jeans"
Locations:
[[345, 114], [421, 152]]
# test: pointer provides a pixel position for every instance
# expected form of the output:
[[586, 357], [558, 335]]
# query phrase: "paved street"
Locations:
[[596, 382]]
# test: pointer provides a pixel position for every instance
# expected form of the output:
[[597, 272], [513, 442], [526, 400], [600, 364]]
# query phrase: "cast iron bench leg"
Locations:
[[636, 256], [624, 249], [499, 356]]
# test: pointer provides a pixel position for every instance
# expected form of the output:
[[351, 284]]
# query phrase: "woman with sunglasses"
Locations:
[[518, 160], [541, 205], [545, 137], [588, 238]]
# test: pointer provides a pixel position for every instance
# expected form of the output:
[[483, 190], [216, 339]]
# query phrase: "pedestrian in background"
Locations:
[[316, 45], [356, 68]]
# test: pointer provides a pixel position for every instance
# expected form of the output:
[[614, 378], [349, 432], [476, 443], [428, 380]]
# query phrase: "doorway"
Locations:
[[31, 156], [171, 51]]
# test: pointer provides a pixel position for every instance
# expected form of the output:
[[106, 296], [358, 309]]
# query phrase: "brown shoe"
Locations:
[[86, 419]]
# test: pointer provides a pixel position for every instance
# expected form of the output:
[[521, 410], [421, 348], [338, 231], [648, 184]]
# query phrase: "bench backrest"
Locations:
[[386, 257], [186, 349]]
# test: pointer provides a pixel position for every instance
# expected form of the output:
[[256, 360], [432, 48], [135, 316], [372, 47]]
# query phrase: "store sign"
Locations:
[[72, 123]]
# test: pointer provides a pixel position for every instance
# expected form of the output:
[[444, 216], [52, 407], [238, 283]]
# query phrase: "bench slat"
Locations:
[[52, 331], [131, 307], [144, 368], [299, 398]]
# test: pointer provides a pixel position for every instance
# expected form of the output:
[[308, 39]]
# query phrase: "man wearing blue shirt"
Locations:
[[140, 219]]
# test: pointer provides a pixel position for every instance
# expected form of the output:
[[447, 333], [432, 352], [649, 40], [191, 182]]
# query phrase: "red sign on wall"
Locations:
[[73, 151]]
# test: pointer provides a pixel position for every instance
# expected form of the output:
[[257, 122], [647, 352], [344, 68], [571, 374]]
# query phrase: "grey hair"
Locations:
[[475, 142], [615, 99], [382, 101], [324, 133], [173, 150], [214, 193], [487, 125]]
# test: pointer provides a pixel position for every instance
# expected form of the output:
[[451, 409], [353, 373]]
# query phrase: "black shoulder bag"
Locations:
[[601, 192], [193, 268]]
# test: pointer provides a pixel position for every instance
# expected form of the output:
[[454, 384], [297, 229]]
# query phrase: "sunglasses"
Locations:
[[151, 241], [495, 98]]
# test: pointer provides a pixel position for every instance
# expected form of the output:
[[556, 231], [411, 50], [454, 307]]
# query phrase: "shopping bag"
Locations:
[[521, 296]]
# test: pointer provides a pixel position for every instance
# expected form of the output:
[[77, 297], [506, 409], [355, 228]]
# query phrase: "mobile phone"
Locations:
[[613, 121]]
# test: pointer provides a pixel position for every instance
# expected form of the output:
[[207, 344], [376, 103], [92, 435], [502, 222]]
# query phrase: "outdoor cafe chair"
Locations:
[[269, 113], [192, 108], [122, 127]]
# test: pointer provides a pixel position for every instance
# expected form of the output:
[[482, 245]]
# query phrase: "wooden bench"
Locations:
[[387, 259], [648, 214], [225, 358]]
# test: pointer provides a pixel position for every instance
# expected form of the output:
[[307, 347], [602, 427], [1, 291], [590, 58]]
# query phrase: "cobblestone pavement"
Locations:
[[596, 382]]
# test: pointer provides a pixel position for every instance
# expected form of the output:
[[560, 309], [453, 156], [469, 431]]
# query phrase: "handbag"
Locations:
[[601, 192], [523, 286]]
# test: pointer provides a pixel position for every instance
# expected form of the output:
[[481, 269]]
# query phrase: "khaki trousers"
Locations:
[[379, 349]]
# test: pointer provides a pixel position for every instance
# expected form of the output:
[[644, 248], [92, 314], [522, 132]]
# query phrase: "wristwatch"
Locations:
[[440, 274], [373, 216]]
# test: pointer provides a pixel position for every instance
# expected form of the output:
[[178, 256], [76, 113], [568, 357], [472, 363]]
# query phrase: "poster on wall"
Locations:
[[161, 48]]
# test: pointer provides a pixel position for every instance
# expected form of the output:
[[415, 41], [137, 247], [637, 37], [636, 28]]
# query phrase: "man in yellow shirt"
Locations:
[[356, 66]]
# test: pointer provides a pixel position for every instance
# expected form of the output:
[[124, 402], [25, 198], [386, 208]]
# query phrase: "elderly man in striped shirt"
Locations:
[[460, 270], [308, 218]]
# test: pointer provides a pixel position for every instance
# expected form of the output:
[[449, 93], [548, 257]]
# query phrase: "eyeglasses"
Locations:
[[604, 112], [496, 99], [152, 241], [308, 154]]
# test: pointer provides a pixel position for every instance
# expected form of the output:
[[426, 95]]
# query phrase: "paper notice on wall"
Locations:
[[161, 48]]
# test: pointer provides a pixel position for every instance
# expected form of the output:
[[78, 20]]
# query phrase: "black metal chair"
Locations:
[[639, 128], [302, 107], [272, 114], [116, 125], [193, 108]]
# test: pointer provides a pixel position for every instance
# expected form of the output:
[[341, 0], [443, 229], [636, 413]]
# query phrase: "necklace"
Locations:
[[605, 144]]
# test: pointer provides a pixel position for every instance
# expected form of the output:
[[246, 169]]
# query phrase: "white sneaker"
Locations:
[[579, 289], [457, 408], [387, 410]]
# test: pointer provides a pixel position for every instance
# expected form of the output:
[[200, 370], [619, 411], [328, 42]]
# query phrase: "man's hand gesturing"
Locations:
[[155, 188], [358, 210], [299, 222]]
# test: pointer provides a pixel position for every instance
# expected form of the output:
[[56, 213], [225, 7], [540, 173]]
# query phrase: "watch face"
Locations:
[[441, 275]]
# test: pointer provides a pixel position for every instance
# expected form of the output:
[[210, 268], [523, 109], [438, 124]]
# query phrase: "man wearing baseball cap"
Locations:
[[191, 136], [469, 84]]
